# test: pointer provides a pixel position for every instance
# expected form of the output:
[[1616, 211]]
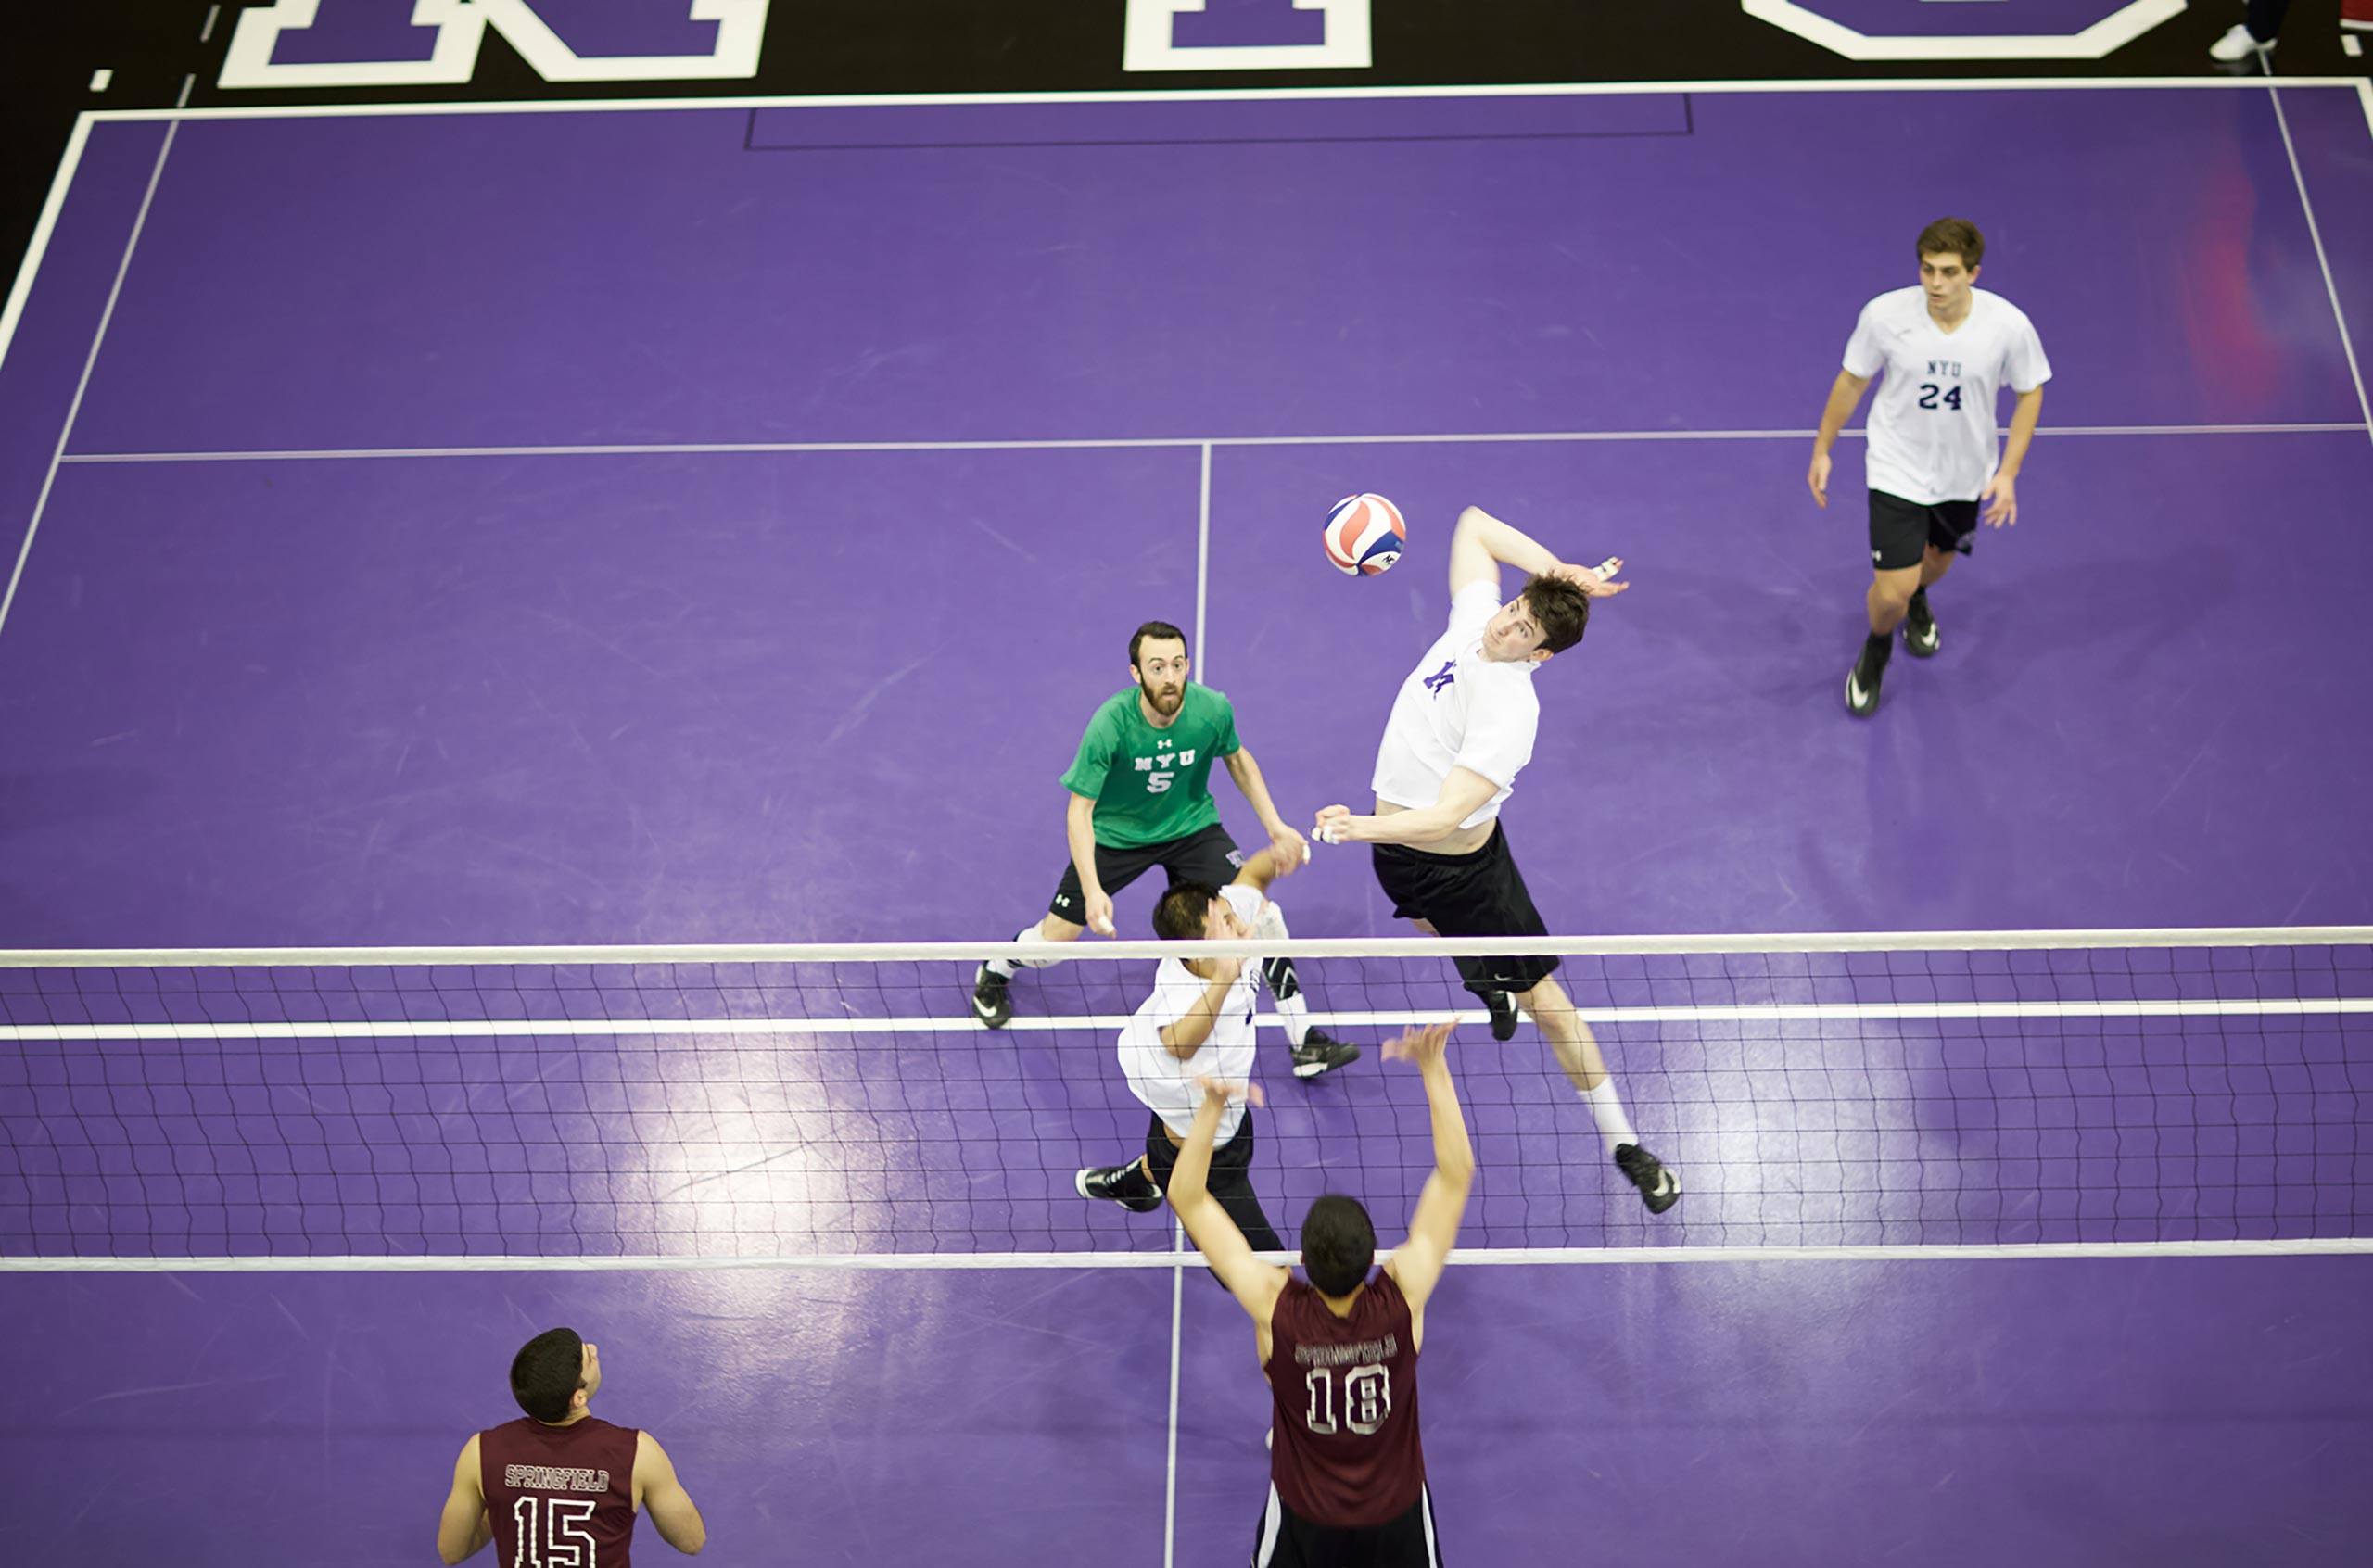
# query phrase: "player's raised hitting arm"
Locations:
[[1254, 1284], [463, 1530], [664, 1499], [1482, 544], [1417, 1263]]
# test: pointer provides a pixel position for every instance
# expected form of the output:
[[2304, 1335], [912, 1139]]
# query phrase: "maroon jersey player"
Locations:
[[559, 1485], [1347, 1472]]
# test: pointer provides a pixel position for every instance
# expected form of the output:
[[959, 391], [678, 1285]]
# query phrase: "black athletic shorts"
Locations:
[[1208, 855], [1230, 1182], [1282, 1541], [1480, 894], [1901, 531]]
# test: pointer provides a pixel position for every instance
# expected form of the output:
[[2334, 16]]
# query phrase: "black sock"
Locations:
[[1877, 646], [1920, 596]]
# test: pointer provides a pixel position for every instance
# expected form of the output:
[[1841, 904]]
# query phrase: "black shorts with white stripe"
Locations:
[[1406, 1541]]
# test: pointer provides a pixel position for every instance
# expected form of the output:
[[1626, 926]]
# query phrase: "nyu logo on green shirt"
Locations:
[[1151, 785]]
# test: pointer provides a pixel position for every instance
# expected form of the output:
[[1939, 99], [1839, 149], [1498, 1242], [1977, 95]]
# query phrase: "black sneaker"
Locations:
[[1920, 627], [1123, 1185], [1659, 1188], [1862, 680], [990, 1004], [1321, 1052], [1504, 1014]]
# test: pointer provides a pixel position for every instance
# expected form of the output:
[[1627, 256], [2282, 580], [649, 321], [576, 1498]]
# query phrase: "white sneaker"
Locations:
[[2237, 45]]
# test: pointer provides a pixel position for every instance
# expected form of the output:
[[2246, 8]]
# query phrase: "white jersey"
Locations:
[[1931, 422], [1167, 1084], [1458, 709]]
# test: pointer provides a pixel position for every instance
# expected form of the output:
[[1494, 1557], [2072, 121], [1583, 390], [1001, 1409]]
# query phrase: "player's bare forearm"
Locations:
[[1454, 1151], [1186, 1037], [1190, 1189], [1247, 774], [1463, 793], [1263, 868], [2023, 418], [1079, 832], [1843, 394], [1415, 829]]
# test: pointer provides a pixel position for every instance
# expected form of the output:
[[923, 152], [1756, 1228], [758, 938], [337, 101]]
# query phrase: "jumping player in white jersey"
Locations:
[[1947, 347], [1462, 726]]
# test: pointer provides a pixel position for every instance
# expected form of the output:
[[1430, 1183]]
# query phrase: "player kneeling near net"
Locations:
[[1198, 1023], [1347, 1472]]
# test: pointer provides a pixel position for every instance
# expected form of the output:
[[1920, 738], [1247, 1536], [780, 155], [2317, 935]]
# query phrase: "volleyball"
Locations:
[[1365, 534]]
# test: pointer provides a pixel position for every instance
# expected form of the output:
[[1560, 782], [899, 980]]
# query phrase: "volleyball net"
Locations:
[[1974, 1089]]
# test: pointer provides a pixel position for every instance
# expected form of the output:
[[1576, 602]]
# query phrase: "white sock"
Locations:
[[1293, 1009], [1028, 933], [1607, 1111]]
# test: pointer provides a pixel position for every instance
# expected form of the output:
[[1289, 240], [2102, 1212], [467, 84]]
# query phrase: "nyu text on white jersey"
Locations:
[[1932, 421]]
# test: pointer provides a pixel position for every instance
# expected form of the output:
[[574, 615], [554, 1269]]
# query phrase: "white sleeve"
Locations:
[[1246, 901], [1866, 354], [1500, 731], [2023, 365], [1174, 992], [1473, 605]]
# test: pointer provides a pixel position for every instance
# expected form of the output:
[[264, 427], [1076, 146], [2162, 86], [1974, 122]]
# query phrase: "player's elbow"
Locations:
[[690, 1542], [448, 1553]]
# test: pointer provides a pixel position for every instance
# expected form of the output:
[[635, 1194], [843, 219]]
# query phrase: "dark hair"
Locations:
[[1338, 1245], [1160, 631], [1179, 915], [547, 1372], [1559, 609], [1957, 236]]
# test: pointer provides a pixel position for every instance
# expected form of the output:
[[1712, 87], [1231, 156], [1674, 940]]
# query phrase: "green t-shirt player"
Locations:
[[1141, 797]]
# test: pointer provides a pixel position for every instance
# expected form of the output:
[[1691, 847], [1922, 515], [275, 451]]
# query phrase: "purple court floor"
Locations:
[[695, 525]]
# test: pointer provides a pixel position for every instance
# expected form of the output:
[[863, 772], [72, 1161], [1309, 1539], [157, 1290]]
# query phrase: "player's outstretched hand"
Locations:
[[1421, 1046], [1335, 825], [1099, 914], [1227, 1089], [1289, 849], [1817, 478], [2002, 501]]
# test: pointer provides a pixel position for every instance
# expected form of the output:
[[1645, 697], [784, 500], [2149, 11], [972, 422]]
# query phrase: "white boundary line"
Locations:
[[704, 449], [1744, 1012], [1177, 1329], [90, 362], [1702, 944], [23, 287], [1231, 95], [2316, 236], [891, 1262], [1202, 567]]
